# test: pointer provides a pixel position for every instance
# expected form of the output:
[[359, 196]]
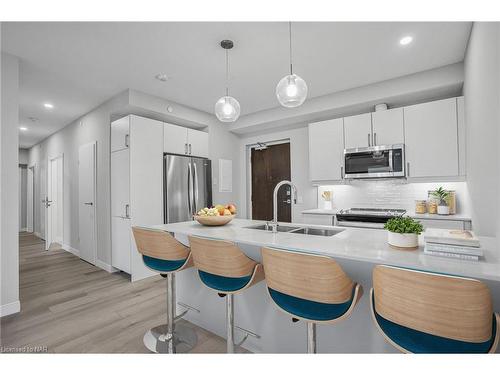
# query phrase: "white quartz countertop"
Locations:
[[360, 244]]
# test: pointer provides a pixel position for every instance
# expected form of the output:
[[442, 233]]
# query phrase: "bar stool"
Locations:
[[162, 253], [223, 267], [309, 287], [422, 312]]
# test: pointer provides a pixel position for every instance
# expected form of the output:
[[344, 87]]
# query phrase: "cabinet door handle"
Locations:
[[185, 148], [341, 173], [127, 213], [126, 140], [374, 139], [368, 139], [190, 149], [408, 169]]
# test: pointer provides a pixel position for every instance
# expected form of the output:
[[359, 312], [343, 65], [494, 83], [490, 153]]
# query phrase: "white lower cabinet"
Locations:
[[121, 240], [446, 224], [315, 219]]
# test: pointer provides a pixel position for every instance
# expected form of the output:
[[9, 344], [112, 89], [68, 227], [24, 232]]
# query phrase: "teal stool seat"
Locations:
[[223, 283], [162, 265], [310, 310], [420, 342]]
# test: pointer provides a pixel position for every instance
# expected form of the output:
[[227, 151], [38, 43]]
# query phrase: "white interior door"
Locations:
[[86, 202], [54, 201], [30, 191]]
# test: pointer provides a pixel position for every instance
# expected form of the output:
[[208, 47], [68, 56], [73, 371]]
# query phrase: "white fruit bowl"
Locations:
[[406, 241], [214, 221]]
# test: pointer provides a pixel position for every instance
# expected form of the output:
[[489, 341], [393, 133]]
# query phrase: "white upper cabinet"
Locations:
[[184, 141], [326, 150], [197, 143], [388, 128], [175, 139], [431, 139], [120, 134], [461, 136], [358, 131]]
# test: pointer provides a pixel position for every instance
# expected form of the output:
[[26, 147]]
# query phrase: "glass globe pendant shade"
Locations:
[[227, 109], [291, 91]]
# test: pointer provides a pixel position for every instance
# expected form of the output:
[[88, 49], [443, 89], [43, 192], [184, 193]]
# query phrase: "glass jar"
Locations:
[[420, 206]]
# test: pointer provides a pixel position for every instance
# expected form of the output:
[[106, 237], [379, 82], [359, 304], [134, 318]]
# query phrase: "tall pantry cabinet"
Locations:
[[136, 187]]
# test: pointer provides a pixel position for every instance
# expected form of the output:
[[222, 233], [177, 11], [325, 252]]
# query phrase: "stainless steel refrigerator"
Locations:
[[187, 186]]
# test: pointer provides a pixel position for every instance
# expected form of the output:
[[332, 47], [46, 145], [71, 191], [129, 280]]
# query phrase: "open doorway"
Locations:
[[270, 164], [54, 202]]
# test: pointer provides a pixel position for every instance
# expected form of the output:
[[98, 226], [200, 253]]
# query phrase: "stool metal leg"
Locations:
[[230, 323], [311, 337], [171, 337]]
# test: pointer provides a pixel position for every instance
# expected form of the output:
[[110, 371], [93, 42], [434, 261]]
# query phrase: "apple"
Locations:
[[220, 208], [232, 208]]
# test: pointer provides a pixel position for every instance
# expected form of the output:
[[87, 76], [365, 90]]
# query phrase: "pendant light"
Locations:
[[291, 90], [227, 108]]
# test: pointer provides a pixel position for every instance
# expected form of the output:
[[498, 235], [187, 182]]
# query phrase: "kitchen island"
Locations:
[[356, 250]]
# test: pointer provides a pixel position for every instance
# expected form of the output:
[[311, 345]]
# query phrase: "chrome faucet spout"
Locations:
[[274, 223]]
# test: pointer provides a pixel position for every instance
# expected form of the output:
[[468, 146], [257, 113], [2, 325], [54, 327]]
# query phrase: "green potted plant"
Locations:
[[403, 232], [442, 195]]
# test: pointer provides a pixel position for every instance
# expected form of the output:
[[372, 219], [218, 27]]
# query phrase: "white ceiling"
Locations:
[[77, 66]]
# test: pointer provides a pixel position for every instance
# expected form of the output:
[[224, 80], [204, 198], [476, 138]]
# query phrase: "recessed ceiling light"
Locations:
[[405, 40], [23, 128], [162, 77], [48, 105]]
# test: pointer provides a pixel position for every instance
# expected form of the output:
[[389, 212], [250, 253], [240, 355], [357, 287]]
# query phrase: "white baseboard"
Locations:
[[10, 308], [105, 266], [72, 250]]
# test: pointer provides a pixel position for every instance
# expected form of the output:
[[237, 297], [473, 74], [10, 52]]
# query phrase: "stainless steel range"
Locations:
[[367, 217]]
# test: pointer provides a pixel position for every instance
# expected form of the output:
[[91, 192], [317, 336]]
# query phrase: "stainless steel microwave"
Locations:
[[375, 162]]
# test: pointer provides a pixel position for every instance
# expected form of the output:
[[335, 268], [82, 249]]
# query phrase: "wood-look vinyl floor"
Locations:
[[71, 306]]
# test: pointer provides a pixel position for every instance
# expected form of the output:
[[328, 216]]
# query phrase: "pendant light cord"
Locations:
[[227, 73], [290, 40]]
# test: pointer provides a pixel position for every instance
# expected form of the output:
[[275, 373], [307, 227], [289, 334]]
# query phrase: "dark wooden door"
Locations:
[[270, 166]]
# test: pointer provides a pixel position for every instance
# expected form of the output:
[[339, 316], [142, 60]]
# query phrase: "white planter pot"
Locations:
[[443, 210], [406, 240]]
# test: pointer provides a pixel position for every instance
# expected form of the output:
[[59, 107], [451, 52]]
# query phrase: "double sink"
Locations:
[[298, 230]]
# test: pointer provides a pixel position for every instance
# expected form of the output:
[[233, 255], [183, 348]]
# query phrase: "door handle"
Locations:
[[341, 172], [189, 190], [89, 203], [374, 139], [127, 213], [190, 149], [408, 169], [368, 139], [185, 148], [288, 201], [126, 140], [195, 186]]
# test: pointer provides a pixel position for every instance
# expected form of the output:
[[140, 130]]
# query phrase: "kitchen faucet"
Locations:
[[274, 223]]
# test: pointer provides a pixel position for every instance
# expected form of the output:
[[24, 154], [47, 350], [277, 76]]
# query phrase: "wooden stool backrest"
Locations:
[[312, 277], [159, 244], [447, 306]]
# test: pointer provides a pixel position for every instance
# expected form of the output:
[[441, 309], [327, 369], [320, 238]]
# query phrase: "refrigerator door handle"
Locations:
[[195, 183], [190, 199]]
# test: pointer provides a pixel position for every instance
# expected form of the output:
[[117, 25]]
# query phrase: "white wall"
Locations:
[[96, 126], [24, 155], [482, 98], [9, 189]]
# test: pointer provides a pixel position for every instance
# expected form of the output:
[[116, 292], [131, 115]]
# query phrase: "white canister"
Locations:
[[403, 240], [443, 210]]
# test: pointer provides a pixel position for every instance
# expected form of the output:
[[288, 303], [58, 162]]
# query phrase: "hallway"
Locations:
[[70, 306]]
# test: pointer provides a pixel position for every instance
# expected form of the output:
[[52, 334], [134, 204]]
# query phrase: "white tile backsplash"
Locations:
[[391, 194]]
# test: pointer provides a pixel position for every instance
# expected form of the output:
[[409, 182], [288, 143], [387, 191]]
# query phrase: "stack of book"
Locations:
[[452, 243]]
